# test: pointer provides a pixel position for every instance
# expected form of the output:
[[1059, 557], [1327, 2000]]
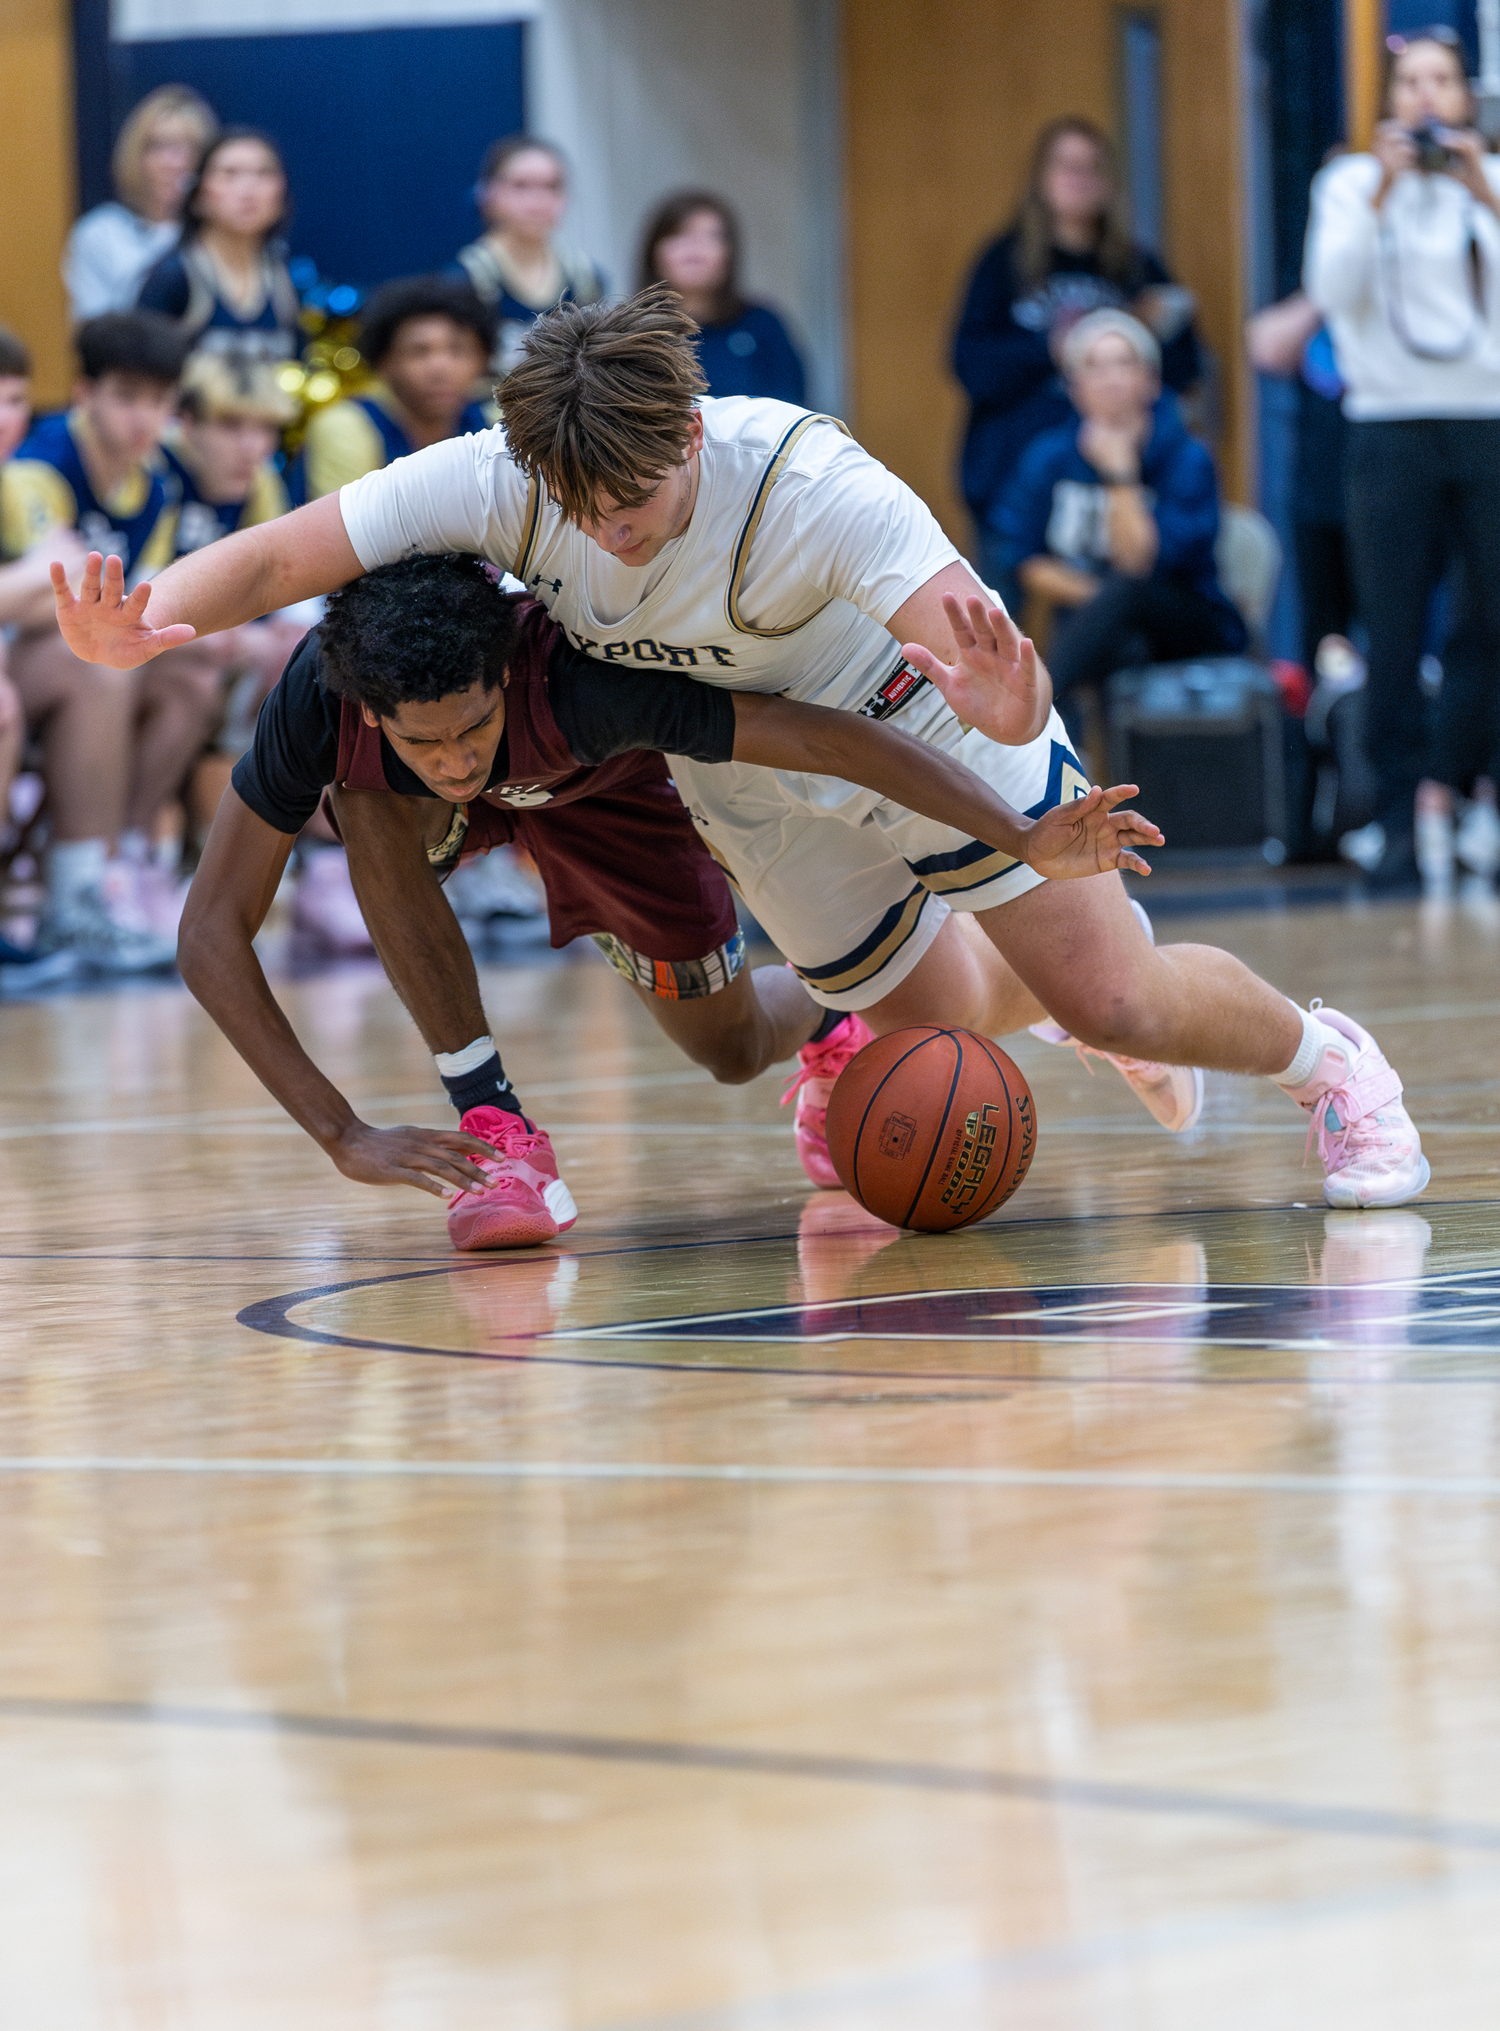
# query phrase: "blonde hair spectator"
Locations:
[[112, 248]]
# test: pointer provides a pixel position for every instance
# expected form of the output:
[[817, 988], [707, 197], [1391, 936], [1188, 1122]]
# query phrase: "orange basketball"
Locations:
[[931, 1128]]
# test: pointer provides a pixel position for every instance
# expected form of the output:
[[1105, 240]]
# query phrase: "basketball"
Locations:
[[931, 1128]]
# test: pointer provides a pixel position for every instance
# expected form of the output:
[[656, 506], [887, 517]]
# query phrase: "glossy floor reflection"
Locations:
[[741, 1616]]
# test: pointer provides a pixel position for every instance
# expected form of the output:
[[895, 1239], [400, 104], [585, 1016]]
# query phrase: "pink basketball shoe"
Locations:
[[821, 1065], [1371, 1151], [525, 1201]]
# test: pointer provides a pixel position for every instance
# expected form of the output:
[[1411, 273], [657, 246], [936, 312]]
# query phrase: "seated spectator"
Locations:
[[25, 600], [693, 245], [111, 248], [116, 743], [517, 267], [1067, 252], [1113, 520], [226, 285], [230, 416], [429, 339]]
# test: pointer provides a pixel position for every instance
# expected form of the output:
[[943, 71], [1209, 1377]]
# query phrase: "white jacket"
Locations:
[[1398, 286]]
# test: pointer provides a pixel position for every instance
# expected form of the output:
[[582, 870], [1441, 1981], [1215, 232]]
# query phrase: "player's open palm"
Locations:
[[996, 684], [1090, 836], [105, 624]]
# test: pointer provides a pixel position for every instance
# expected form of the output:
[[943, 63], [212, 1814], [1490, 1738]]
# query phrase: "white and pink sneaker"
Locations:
[[525, 1201], [821, 1064], [1371, 1151], [1172, 1093]]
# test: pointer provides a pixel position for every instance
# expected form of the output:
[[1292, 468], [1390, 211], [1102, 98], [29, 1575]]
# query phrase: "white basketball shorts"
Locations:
[[851, 887]]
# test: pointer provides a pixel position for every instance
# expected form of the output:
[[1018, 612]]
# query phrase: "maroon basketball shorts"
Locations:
[[624, 867]]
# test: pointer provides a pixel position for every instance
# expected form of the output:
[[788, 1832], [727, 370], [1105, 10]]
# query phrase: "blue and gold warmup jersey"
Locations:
[[46, 486], [349, 439], [201, 522]]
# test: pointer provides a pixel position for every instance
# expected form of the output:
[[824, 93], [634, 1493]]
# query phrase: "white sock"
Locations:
[[74, 865], [454, 1064], [1317, 1038]]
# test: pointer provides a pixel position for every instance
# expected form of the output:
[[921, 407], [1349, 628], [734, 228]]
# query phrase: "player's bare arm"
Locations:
[[227, 904], [996, 681], [1087, 837], [221, 586]]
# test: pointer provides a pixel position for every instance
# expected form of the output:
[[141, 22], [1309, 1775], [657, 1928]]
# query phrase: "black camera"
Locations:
[[1432, 157]]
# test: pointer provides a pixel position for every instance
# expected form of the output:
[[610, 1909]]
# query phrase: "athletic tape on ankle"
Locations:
[[454, 1064]]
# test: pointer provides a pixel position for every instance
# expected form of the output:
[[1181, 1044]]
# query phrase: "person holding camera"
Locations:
[[1403, 258]]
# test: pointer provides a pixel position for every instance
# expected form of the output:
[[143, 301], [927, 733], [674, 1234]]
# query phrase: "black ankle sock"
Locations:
[[829, 1024], [486, 1086]]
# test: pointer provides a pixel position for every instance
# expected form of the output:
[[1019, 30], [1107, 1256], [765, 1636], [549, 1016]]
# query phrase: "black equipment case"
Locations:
[[1204, 742]]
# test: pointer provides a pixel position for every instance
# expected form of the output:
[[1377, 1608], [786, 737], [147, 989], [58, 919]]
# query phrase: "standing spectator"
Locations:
[[1113, 520], [693, 245], [111, 249], [226, 283], [1403, 257], [1068, 251], [517, 266], [429, 338], [116, 743]]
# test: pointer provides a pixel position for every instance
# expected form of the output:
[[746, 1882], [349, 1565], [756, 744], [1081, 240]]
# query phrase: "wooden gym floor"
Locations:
[[741, 1616]]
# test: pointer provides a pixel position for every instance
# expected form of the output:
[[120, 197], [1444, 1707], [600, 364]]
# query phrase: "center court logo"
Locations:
[[1457, 1317]]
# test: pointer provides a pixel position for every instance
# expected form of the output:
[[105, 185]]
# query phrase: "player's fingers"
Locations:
[[173, 637], [59, 580], [982, 626], [113, 591], [1134, 862], [958, 621], [93, 567], [1118, 792], [922, 659]]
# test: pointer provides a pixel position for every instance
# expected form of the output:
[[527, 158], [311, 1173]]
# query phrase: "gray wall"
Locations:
[[647, 95]]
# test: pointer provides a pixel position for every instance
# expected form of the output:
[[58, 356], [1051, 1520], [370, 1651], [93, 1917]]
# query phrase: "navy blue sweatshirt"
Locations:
[[752, 356], [1055, 505], [1001, 355]]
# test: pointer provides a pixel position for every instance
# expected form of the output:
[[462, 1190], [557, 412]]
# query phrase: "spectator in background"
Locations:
[[24, 588], [111, 248], [116, 743], [1113, 520], [429, 338], [1067, 252], [1290, 340], [1403, 258], [517, 267], [693, 245], [226, 285]]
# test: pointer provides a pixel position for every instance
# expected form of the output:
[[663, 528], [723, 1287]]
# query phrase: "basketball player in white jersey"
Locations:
[[751, 545]]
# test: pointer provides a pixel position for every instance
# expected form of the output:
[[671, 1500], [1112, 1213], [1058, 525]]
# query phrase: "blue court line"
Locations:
[[1351, 1822]]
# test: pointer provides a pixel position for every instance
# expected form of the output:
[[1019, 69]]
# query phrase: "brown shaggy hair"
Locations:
[[1033, 221], [601, 403]]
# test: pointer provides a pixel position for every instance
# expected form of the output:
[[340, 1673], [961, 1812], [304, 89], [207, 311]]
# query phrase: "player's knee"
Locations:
[[1117, 1012]]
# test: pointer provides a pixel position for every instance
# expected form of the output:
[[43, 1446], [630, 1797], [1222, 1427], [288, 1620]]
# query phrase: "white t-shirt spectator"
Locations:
[[1411, 293], [108, 254]]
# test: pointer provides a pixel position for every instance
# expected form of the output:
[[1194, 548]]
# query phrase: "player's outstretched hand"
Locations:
[[996, 684], [104, 624], [433, 1159], [1090, 836]]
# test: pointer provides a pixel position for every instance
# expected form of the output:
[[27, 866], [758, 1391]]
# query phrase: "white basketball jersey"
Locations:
[[800, 547]]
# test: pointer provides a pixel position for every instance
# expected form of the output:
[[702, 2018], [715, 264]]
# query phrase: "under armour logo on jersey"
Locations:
[[539, 581]]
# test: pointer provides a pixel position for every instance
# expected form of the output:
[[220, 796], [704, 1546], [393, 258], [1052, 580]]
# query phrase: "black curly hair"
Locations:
[[397, 303], [414, 632]]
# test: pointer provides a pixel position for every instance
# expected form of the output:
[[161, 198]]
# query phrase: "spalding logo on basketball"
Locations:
[[930, 1128]]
